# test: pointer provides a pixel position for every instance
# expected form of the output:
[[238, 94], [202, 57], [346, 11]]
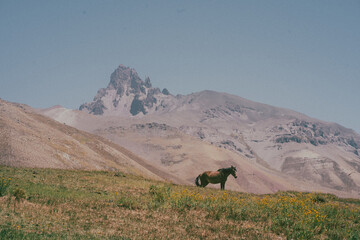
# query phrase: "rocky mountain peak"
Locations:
[[127, 79], [120, 75], [125, 94]]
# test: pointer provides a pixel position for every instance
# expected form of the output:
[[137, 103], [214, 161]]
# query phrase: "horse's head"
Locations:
[[233, 171]]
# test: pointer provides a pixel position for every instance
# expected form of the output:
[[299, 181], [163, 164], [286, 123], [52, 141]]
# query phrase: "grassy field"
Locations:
[[63, 204]]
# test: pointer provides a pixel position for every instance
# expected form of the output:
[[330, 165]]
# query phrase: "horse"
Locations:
[[219, 176]]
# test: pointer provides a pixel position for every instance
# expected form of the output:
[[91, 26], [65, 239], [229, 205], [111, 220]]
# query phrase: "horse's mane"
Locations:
[[224, 169]]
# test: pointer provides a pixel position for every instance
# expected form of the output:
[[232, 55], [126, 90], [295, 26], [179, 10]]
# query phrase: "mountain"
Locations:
[[28, 139], [273, 148], [127, 95]]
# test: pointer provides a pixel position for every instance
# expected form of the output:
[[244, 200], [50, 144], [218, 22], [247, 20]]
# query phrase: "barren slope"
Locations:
[[28, 139], [184, 156]]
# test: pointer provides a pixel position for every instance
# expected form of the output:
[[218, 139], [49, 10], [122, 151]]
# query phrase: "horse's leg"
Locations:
[[222, 185]]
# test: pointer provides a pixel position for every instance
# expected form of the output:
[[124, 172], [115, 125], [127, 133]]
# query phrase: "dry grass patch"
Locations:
[[107, 205]]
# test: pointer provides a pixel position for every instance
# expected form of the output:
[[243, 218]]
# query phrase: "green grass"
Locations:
[[66, 204]]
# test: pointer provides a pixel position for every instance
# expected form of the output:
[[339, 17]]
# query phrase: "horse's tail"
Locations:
[[197, 181]]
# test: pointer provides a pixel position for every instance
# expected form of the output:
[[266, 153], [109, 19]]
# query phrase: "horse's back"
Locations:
[[212, 173], [212, 176]]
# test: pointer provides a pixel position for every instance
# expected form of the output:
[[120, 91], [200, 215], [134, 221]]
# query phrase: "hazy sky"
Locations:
[[302, 55]]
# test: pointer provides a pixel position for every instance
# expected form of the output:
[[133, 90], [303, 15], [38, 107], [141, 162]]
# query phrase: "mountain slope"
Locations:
[[29, 139]]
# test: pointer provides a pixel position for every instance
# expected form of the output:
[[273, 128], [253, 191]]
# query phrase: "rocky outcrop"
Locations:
[[165, 91], [315, 133]]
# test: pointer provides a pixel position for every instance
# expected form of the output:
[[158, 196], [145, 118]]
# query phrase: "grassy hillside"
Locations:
[[58, 204]]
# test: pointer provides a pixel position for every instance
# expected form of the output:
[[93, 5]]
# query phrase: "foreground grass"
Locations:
[[63, 204]]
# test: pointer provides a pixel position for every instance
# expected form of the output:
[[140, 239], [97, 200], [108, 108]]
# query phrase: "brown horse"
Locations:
[[219, 176]]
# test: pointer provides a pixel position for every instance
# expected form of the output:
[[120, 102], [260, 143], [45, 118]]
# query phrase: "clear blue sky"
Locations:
[[302, 55]]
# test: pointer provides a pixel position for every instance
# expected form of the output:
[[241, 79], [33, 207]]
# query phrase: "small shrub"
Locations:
[[19, 194], [4, 185], [319, 199]]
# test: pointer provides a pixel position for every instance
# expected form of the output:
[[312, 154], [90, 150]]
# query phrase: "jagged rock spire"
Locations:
[[126, 92]]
